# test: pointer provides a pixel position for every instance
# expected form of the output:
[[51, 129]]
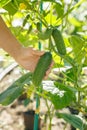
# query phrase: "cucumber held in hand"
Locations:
[[41, 68], [59, 42]]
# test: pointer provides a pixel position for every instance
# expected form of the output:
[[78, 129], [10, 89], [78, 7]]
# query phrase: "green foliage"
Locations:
[[49, 0], [11, 8], [74, 120], [4, 2], [8, 96], [15, 90], [59, 9], [62, 96], [78, 45], [45, 35]]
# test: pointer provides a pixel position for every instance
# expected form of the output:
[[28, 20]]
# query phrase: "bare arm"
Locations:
[[26, 57], [7, 41]]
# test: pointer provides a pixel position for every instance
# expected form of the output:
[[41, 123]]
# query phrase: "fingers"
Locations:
[[49, 70], [52, 63], [47, 73], [38, 53]]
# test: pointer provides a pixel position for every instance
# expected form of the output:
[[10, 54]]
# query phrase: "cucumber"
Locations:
[[25, 20], [30, 29], [59, 42], [38, 26], [41, 68]]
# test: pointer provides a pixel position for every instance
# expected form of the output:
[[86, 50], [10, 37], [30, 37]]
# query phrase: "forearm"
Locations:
[[7, 41]]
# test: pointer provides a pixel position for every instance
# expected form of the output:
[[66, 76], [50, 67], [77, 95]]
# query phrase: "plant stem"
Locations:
[[49, 114], [51, 9], [50, 124], [78, 97]]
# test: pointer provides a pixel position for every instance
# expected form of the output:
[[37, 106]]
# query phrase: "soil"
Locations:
[[12, 116]]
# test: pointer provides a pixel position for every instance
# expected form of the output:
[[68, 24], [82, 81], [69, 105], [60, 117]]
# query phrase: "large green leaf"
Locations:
[[15, 90], [74, 120], [62, 95]]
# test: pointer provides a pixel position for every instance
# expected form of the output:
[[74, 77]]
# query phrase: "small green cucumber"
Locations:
[[41, 68], [30, 29], [25, 20], [38, 26], [59, 42]]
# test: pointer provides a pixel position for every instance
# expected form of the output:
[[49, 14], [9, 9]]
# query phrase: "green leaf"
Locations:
[[4, 2], [68, 60], [54, 1], [62, 95], [26, 102], [85, 126], [15, 90], [8, 96], [70, 75], [59, 9], [15, 30], [77, 44], [49, 0], [45, 35], [72, 119], [74, 21], [11, 7]]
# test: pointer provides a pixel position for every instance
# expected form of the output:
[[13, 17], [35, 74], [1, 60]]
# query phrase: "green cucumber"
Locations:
[[59, 42], [25, 20], [41, 68], [38, 26]]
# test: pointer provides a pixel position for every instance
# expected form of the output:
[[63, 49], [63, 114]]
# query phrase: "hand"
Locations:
[[28, 59]]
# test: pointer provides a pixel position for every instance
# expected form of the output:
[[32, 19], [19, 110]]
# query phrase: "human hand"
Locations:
[[28, 59]]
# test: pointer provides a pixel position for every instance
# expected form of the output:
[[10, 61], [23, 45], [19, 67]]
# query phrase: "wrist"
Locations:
[[16, 51]]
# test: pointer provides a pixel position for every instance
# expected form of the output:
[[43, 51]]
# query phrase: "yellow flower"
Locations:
[[29, 89], [22, 6]]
